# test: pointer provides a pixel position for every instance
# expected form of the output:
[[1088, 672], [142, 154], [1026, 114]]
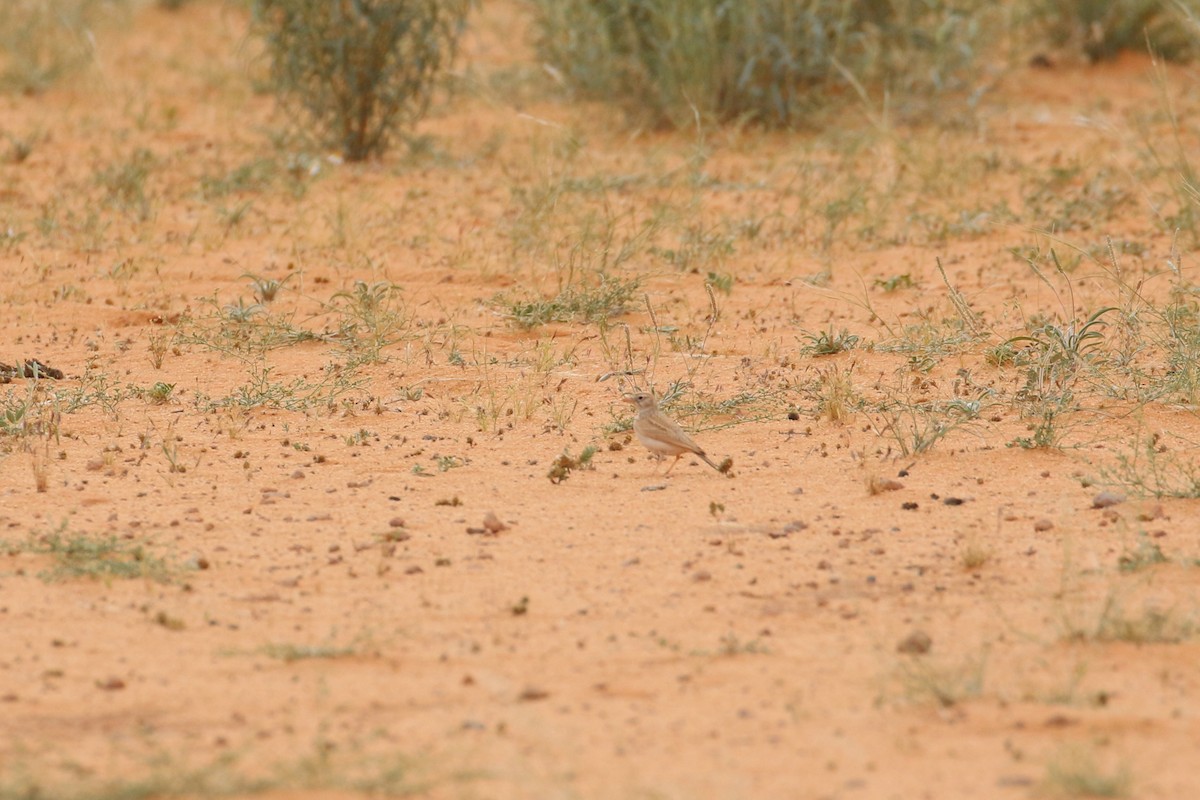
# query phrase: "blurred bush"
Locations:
[[1101, 29], [769, 61], [357, 71], [42, 40]]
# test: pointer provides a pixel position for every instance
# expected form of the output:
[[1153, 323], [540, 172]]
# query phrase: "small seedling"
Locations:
[[562, 467], [360, 438], [1146, 554], [265, 289], [721, 281], [159, 343], [1075, 773], [895, 283], [731, 645], [78, 555], [295, 652], [160, 392], [828, 343]]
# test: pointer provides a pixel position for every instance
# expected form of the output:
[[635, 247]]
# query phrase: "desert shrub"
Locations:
[[42, 40], [1101, 29], [771, 61], [358, 70]]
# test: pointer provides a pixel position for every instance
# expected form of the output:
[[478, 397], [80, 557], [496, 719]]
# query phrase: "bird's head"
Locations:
[[641, 400]]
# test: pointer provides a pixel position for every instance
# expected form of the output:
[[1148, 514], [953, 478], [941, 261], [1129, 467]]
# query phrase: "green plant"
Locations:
[[240, 313], [1047, 427], [232, 216], [1151, 625], [917, 427], [828, 343], [325, 768], [769, 61], [158, 344], [251, 176], [946, 685], [566, 463], [1102, 29], [301, 652], [77, 555], [43, 40], [373, 317], [265, 289], [837, 399], [15, 419], [160, 392], [1075, 773], [721, 281], [124, 183], [895, 283], [730, 646], [242, 327], [1150, 469], [583, 301], [1145, 554], [1059, 350], [10, 236], [170, 450], [358, 70], [360, 438]]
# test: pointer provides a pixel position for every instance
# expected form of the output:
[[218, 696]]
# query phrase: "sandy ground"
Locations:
[[319, 608]]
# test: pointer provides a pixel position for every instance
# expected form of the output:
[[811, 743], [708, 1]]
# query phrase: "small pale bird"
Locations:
[[660, 434]]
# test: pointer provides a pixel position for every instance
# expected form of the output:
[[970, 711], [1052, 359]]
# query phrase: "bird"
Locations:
[[661, 435]]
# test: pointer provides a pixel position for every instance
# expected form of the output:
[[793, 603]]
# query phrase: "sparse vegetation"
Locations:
[[325, 768], [923, 681], [829, 342], [1150, 469], [1145, 554], [917, 427], [1151, 624], [77, 555], [302, 652], [950, 335], [124, 183], [595, 302], [1074, 772]]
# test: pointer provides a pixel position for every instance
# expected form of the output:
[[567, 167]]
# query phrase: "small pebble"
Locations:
[[1106, 499], [493, 524], [915, 644]]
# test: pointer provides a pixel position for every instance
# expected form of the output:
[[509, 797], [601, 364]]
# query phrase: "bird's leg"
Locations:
[[673, 463]]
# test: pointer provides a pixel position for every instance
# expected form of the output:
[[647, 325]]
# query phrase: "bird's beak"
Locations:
[[629, 399]]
